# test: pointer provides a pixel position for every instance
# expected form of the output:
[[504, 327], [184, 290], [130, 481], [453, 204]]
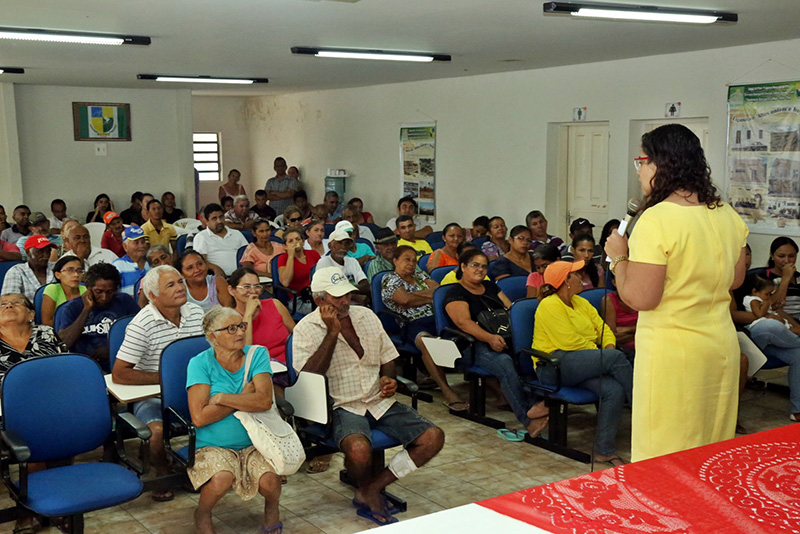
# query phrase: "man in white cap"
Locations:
[[349, 345], [339, 243], [360, 251]]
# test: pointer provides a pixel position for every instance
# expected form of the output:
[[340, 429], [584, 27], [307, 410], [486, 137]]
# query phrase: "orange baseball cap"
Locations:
[[557, 272], [110, 216]]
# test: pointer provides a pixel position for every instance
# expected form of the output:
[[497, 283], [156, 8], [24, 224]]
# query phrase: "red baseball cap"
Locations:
[[37, 241], [110, 216]]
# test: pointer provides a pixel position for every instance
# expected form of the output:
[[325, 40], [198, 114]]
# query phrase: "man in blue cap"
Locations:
[[133, 264]]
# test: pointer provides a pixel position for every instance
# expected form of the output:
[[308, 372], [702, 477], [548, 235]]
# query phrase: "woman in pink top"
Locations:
[[268, 321], [258, 255]]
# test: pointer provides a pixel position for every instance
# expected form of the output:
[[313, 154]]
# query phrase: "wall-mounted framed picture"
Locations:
[[97, 121]]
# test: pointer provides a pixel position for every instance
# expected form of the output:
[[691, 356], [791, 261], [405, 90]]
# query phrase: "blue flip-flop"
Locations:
[[510, 435], [384, 499], [379, 518]]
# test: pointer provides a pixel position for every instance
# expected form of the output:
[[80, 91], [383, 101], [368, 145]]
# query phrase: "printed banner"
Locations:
[[97, 121], [764, 155], [418, 160]]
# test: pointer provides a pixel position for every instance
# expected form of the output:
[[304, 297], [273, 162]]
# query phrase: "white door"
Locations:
[[587, 175]]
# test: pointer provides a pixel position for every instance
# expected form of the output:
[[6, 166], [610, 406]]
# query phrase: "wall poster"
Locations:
[[95, 121], [764, 155], [418, 160]]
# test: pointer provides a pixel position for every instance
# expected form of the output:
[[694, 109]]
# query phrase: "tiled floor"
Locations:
[[475, 464]]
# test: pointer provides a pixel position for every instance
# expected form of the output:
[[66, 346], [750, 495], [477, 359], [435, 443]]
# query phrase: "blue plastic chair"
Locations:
[[248, 235], [65, 415], [434, 237], [275, 239], [514, 287], [180, 245], [116, 334], [439, 273], [174, 400], [329, 228], [523, 313], [281, 292], [436, 245], [366, 242], [373, 227], [478, 241], [38, 298], [475, 375], [595, 298], [4, 267], [423, 262], [239, 254]]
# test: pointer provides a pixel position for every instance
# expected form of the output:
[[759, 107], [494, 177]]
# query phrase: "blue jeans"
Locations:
[[500, 366], [610, 377], [777, 341]]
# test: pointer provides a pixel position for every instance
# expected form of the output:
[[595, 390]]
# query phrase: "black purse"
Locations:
[[496, 321]]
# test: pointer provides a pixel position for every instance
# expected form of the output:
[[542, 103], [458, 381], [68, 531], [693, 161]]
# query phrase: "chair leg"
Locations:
[[556, 440], [477, 404]]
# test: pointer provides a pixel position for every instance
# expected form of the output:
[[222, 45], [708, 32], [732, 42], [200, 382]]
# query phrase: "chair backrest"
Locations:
[[366, 242], [172, 371], [439, 273], [96, 230], [275, 239], [434, 237], [478, 241], [309, 397], [5, 266], [595, 298], [389, 324], [115, 336], [373, 227], [187, 223], [57, 405], [329, 228], [248, 235], [278, 290], [136, 287], [514, 287], [239, 254], [290, 360], [180, 245], [38, 298], [436, 245], [439, 314], [522, 315], [423, 261]]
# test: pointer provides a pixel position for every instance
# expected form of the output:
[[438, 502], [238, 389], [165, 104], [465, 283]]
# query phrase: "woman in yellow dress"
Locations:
[[686, 253]]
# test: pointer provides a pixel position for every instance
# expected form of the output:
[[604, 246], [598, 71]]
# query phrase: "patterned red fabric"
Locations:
[[748, 485]]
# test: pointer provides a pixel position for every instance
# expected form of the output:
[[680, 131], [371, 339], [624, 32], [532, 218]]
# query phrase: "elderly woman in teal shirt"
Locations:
[[225, 455]]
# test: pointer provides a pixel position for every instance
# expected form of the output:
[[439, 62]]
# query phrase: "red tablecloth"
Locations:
[[748, 485]]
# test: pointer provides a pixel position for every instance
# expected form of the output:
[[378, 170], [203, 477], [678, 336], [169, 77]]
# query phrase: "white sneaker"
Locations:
[[792, 417]]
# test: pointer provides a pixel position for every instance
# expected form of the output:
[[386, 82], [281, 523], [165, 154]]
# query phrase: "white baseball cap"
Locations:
[[344, 225], [340, 235], [332, 281]]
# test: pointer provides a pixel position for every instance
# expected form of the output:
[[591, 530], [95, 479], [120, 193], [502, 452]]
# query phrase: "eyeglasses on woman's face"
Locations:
[[73, 270], [638, 162], [250, 287], [232, 328], [478, 266]]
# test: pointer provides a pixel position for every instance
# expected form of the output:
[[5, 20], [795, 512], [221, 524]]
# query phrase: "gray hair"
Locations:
[[153, 276], [65, 220], [321, 295], [156, 248], [329, 194], [237, 198], [214, 317]]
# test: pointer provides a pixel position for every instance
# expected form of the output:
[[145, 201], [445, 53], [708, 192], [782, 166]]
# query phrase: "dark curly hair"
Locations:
[[102, 271], [680, 165]]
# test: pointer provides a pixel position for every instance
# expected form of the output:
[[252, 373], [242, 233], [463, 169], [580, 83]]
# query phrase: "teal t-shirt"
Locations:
[[204, 369], [362, 249]]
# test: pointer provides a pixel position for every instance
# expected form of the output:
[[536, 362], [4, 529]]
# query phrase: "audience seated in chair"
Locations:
[[408, 206], [406, 229], [353, 215], [518, 261], [315, 237], [359, 251], [385, 244], [59, 210], [497, 245], [340, 243], [447, 255], [133, 265], [225, 456], [463, 304], [333, 208], [83, 323], [291, 218], [543, 256], [168, 317], [171, 212], [536, 222], [204, 288], [68, 272], [360, 406], [217, 243], [39, 225], [568, 327], [157, 230], [362, 217], [241, 217], [261, 208], [300, 199], [408, 292], [480, 227], [78, 242], [258, 255], [20, 339], [621, 319], [112, 237], [9, 252], [21, 226], [133, 213], [294, 268], [27, 278], [592, 275], [102, 204]]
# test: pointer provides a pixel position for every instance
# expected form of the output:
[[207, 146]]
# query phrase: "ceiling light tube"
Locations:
[[381, 55], [200, 79], [638, 13], [11, 70], [58, 36]]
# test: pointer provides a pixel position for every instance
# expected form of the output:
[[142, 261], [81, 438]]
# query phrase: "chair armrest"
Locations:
[[459, 334], [402, 321], [546, 357], [411, 387], [143, 432], [191, 432], [19, 451], [285, 407]]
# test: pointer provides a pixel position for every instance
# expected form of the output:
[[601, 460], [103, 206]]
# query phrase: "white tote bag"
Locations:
[[273, 437]]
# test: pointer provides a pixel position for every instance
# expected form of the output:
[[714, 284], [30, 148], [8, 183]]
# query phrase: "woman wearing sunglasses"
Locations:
[[68, 272], [686, 254], [292, 218]]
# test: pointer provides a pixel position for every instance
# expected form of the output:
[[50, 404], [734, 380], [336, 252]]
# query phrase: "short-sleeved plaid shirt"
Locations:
[[353, 382]]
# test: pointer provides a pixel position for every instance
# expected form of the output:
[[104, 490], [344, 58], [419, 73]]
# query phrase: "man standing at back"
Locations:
[[217, 243], [282, 187]]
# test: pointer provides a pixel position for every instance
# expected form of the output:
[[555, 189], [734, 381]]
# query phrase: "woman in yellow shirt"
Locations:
[[569, 328]]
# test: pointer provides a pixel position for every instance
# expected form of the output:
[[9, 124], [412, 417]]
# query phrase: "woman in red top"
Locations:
[[364, 216], [112, 237], [621, 319], [294, 267]]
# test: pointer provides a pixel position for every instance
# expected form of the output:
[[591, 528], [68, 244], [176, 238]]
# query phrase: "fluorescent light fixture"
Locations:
[[11, 70], [59, 36], [638, 13], [200, 79], [382, 55]]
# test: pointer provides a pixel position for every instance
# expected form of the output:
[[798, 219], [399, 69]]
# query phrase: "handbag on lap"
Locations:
[[495, 320], [273, 437]]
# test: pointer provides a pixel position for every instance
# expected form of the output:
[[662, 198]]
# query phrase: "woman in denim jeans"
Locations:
[[463, 304], [568, 327]]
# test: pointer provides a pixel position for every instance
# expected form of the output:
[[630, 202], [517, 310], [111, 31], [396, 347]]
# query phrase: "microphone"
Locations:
[[633, 209]]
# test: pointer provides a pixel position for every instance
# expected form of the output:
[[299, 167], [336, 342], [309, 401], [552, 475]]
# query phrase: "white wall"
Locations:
[[226, 116], [53, 164], [492, 147], [10, 176]]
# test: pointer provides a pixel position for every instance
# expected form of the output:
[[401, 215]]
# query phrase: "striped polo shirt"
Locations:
[[129, 272], [149, 332]]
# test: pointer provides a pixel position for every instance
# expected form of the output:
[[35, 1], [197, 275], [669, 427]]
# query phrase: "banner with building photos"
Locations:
[[418, 160], [764, 155]]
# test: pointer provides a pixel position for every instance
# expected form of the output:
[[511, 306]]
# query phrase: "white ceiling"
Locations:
[[253, 38]]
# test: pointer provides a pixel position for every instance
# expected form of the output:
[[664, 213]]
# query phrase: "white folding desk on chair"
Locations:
[[131, 393]]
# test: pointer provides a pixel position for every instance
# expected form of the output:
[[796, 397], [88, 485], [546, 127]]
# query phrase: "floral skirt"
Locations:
[[246, 465]]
